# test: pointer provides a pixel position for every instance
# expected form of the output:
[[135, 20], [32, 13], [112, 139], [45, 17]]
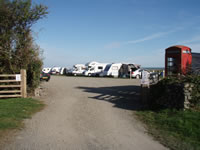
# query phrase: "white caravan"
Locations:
[[94, 68], [112, 70], [78, 69], [46, 70], [55, 70], [63, 71]]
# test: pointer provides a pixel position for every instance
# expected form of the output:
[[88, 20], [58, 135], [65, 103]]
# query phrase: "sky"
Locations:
[[112, 31]]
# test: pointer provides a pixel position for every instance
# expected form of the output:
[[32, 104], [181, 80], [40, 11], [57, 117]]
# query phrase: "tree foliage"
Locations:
[[17, 48]]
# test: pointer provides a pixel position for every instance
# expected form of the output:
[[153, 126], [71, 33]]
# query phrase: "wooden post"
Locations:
[[145, 94], [23, 83]]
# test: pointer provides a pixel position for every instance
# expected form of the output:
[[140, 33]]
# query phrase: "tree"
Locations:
[[17, 49]]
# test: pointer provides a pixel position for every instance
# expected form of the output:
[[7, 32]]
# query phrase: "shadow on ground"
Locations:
[[124, 97]]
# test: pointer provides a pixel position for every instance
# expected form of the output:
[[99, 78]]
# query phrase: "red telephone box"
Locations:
[[178, 60]]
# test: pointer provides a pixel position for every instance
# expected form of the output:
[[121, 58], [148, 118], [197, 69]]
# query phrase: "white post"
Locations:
[[145, 88], [163, 73]]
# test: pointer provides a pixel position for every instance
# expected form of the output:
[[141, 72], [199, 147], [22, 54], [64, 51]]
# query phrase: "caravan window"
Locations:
[[100, 67], [108, 67], [115, 68]]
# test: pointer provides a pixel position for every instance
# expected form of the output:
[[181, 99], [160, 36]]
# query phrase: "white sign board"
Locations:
[[18, 77], [145, 77]]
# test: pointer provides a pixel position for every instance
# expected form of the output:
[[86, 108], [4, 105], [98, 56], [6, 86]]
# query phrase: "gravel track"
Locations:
[[86, 114]]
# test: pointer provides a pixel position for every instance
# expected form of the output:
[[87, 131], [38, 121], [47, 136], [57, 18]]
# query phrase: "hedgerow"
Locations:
[[17, 47], [169, 92]]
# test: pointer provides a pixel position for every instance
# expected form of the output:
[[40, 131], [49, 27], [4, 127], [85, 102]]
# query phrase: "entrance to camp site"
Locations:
[[13, 85]]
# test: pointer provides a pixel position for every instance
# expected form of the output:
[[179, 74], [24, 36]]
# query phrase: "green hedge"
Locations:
[[169, 93]]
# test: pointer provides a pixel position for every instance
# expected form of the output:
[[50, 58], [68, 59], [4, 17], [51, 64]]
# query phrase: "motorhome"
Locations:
[[46, 70], [78, 69], [94, 68]]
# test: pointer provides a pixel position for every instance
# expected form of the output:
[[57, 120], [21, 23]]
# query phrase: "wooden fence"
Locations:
[[13, 85]]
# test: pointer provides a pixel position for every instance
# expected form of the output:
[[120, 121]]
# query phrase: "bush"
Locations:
[[33, 74], [169, 93], [195, 81], [17, 48]]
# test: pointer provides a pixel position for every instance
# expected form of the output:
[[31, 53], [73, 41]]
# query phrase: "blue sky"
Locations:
[[133, 31]]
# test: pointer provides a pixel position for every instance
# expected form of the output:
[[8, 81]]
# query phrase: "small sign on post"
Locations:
[[145, 88], [145, 77], [18, 77]]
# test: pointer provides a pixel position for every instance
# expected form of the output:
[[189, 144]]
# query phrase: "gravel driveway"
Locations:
[[86, 114]]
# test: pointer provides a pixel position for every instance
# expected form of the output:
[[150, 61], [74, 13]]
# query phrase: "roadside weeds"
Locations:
[[177, 130]]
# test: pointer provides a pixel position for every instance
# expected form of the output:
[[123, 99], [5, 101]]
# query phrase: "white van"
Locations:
[[46, 70], [94, 68], [78, 69], [112, 69]]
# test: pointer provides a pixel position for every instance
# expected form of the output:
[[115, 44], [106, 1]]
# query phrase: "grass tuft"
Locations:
[[178, 130], [13, 111]]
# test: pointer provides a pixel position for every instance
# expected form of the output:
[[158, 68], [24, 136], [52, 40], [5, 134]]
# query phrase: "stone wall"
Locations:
[[187, 94], [165, 94]]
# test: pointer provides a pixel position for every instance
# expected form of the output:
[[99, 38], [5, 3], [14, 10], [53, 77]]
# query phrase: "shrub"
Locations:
[[17, 48], [195, 81], [169, 93]]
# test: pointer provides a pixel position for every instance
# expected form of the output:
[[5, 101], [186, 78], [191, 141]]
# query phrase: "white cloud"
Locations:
[[153, 36], [190, 41], [147, 38]]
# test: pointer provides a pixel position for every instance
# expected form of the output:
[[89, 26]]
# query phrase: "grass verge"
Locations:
[[178, 130], [13, 111]]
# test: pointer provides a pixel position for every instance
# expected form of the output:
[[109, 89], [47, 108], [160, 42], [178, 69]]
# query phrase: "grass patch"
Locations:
[[178, 130], [13, 111]]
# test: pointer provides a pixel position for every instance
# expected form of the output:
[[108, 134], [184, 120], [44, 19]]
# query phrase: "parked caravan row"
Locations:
[[104, 69], [55, 70], [96, 69]]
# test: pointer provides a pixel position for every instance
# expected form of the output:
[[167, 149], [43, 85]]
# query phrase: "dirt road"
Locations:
[[86, 114]]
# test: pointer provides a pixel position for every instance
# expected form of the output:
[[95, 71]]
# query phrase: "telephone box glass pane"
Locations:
[[172, 66]]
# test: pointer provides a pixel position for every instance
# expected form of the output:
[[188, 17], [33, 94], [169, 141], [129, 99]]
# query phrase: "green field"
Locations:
[[13, 111], [178, 130]]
